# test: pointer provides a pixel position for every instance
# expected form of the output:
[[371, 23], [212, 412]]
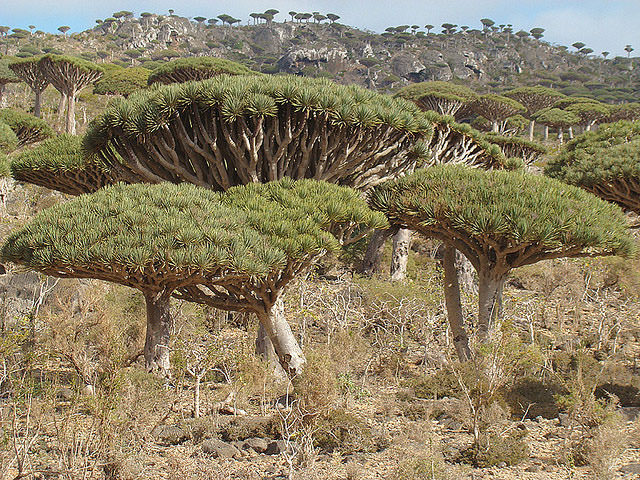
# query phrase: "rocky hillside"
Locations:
[[493, 60]]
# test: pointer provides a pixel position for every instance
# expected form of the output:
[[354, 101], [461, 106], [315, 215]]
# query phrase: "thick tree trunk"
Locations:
[[265, 350], [489, 302], [159, 325], [546, 133], [571, 133], [454, 304], [284, 343], [71, 115], [494, 126], [532, 126], [400, 254], [37, 104], [372, 261], [561, 135], [466, 277]]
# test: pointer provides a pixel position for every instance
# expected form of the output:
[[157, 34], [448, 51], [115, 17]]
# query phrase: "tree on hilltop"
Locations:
[[502, 220], [333, 17], [236, 251], [30, 71], [537, 33], [69, 76], [64, 29]]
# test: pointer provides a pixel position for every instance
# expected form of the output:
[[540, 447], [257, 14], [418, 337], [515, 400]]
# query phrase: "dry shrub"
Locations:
[[605, 447]]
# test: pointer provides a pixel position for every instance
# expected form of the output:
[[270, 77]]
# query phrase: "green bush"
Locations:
[[340, 431], [28, 129], [494, 449]]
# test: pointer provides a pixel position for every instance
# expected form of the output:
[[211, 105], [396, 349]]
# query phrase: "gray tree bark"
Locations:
[[400, 254], [454, 304], [489, 302], [284, 342], [265, 350], [159, 325], [372, 261], [532, 126]]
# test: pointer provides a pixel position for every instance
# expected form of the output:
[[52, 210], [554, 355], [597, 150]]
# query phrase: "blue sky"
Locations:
[[601, 24]]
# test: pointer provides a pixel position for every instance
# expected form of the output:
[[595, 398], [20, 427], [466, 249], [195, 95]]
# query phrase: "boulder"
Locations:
[[219, 449]]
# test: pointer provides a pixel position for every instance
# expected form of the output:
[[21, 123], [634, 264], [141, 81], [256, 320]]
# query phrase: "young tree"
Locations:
[[235, 251], [292, 14], [30, 72], [605, 162], [195, 68], [444, 98], [578, 46], [487, 23], [69, 76], [628, 49], [534, 99], [496, 108], [502, 220], [64, 29], [605, 54], [429, 28]]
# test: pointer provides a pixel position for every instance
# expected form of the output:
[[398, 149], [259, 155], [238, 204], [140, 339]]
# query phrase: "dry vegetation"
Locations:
[[555, 397]]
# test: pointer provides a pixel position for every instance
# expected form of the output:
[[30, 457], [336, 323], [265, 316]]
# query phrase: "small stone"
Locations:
[[218, 448], [64, 394], [631, 469], [532, 468], [276, 447], [256, 444], [170, 435], [502, 465]]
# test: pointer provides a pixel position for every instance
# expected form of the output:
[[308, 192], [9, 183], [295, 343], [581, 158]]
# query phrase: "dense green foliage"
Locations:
[[4, 166], [8, 139], [556, 118], [77, 63], [534, 98], [28, 129], [421, 92], [520, 218], [605, 162], [59, 163], [195, 68], [122, 81], [150, 236]]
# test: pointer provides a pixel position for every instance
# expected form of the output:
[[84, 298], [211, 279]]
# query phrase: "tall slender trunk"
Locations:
[[37, 105], [159, 325], [494, 126], [532, 126], [62, 105], [561, 135], [284, 343], [400, 254], [546, 133], [571, 133], [489, 302], [71, 115], [372, 261], [2, 88], [454, 304]]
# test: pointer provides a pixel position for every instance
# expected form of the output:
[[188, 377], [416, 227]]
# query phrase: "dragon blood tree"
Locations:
[[444, 98], [69, 75], [28, 129], [59, 163], [6, 76], [556, 118], [29, 71], [496, 109], [516, 147], [605, 162], [195, 68], [234, 130], [234, 251], [534, 99], [501, 220]]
